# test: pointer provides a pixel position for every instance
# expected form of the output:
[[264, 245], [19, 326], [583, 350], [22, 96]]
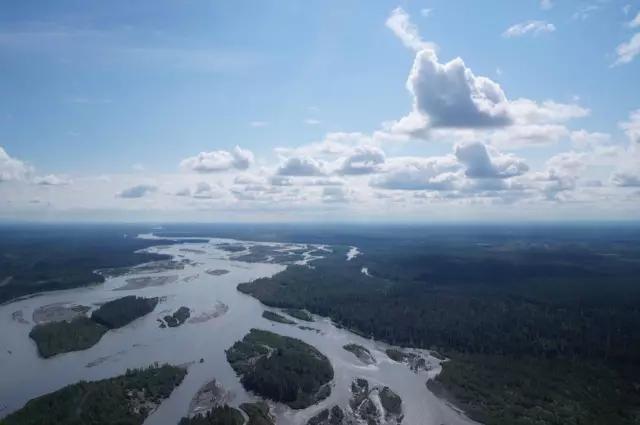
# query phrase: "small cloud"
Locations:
[[311, 121], [426, 12], [529, 27], [546, 4], [137, 191], [183, 192], [258, 124], [51, 180], [635, 22], [584, 12], [625, 179], [215, 161], [627, 51], [138, 167], [300, 166], [401, 25]]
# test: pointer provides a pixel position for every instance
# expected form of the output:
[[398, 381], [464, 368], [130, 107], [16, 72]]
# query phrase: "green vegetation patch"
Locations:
[[123, 400], [275, 317], [361, 353], [118, 313], [221, 415], [62, 337], [281, 368], [391, 402], [177, 318], [499, 390], [299, 314], [258, 413]]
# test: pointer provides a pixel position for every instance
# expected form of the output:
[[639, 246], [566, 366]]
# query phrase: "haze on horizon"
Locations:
[[309, 111]]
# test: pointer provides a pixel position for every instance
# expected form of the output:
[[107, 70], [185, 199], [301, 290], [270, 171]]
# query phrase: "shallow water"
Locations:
[[25, 375]]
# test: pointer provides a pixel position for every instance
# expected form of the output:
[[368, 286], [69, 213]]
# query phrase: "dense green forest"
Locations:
[[275, 317], [122, 311], [257, 412], [123, 400], [547, 298], [62, 337], [221, 415], [281, 368], [81, 333], [38, 258]]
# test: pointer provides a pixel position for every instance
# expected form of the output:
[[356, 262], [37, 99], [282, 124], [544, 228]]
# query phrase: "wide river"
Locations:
[[25, 375]]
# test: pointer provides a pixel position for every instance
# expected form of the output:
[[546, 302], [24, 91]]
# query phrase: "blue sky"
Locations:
[[123, 93]]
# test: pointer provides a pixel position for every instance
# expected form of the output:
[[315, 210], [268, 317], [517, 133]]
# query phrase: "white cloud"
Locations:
[[450, 95], [585, 11], [363, 160], [479, 164], [406, 31], [311, 121], [52, 180], [529, 27], [211, 162], [527, 111], [627, 51], [583, 139], [626, 179], [632, 127], [203, 190], [137, 191], [11, 168], [426, 12], [334, 194], [546, 4], [258, 124], [635, 22], [418, 173], [300, 166], [520, 136]]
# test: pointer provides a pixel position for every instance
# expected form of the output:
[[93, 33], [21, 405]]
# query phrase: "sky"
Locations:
[[313, 111]]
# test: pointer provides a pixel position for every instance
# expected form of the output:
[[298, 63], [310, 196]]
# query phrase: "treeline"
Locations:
[[118, 313], [39, 258], [493, 300], [123, 400]]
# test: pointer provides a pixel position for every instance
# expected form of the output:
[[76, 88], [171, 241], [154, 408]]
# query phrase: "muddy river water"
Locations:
[[225, 316]]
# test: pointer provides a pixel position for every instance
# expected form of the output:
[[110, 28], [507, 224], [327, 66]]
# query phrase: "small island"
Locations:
[[275, 317], [126, 399], [361, 353], [62, 337], [177, 318], [281, 368], [217, 272], [299, 314], [83, 332], [413, 360]]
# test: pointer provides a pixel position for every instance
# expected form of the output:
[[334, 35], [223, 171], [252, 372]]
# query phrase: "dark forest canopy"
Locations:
[[534, 297], [123, 400], [281, 368]]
